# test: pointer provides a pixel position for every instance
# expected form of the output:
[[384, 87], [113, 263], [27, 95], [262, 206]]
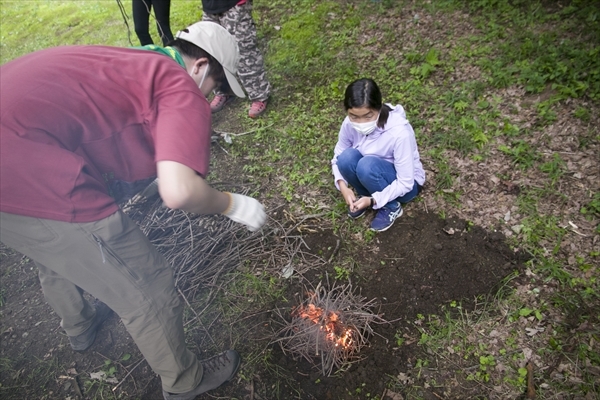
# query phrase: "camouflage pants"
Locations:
[[251, 69]]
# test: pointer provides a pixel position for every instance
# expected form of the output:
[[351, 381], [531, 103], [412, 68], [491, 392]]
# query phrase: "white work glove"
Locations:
[[246, 210]]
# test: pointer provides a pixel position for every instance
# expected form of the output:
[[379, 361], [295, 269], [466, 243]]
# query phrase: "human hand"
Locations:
[[246, 210], [348, 196], [361, 203]]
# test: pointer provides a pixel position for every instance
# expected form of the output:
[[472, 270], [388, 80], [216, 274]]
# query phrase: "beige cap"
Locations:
[[220, 44]]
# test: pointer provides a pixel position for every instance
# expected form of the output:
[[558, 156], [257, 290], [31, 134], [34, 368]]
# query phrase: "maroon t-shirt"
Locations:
[[74, 118]]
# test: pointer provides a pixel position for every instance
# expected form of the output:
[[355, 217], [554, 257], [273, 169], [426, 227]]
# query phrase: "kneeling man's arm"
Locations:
[[182, 188]]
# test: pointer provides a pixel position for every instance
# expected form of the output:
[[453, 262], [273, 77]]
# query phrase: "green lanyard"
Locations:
[[168, 51]]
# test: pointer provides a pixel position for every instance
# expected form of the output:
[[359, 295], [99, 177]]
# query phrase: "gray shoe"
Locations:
[[216, 371], [86, 339]]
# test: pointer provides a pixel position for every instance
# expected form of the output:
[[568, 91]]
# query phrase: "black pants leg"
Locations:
[[162, 11], [141, 16]]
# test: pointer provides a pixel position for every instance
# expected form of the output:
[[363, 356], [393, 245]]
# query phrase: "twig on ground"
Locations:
[[304, 218], [128, 373], [530, 386], [222, 148], [337, 248], [243, 133], [77, 388]]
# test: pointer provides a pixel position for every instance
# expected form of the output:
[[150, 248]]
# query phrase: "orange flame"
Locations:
[[334, 329]]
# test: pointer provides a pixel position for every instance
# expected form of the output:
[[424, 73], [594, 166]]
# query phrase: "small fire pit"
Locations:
[[329, 328]]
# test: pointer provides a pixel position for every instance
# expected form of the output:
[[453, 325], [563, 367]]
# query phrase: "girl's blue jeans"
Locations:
[[370, 174]]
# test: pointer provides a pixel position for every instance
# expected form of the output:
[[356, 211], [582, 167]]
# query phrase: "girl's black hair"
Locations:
[[194, 52], [365, 93]]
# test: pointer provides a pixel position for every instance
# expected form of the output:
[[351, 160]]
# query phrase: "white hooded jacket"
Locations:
[[394, 143]]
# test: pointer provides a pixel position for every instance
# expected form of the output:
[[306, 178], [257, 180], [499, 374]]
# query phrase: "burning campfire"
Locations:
[[329, 328], [328, 322]]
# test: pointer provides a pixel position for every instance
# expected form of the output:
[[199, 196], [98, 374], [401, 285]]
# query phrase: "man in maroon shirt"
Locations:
[[77, 121]]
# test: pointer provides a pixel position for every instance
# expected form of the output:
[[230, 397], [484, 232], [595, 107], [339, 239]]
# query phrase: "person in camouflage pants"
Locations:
[[251, 70]]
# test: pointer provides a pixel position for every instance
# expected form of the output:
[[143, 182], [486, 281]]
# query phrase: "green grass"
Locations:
[[33, 25]]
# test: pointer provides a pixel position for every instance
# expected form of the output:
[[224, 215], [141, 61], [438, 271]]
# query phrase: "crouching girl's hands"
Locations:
[[348, 196], [361, 203]]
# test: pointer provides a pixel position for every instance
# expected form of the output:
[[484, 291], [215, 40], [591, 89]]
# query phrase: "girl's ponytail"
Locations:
[[383, 116]]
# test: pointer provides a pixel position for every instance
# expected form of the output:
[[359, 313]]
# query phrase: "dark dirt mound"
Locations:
[[421, 263], [418, 265]]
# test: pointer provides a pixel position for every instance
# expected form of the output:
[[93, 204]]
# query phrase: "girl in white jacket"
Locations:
[[377, 155]]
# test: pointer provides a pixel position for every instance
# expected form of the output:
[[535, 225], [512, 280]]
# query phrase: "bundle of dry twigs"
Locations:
[[202, 248], [329, 327]]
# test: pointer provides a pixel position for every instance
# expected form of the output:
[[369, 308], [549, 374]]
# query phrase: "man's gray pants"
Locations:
[[114, 261]]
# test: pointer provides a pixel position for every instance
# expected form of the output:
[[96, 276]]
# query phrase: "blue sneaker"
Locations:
[[356, 214], [386, 216]]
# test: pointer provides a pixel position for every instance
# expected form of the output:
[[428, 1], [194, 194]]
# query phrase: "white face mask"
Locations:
[[365, 128]]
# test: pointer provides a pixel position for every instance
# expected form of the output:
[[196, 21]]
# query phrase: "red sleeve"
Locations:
[[182, 130]]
